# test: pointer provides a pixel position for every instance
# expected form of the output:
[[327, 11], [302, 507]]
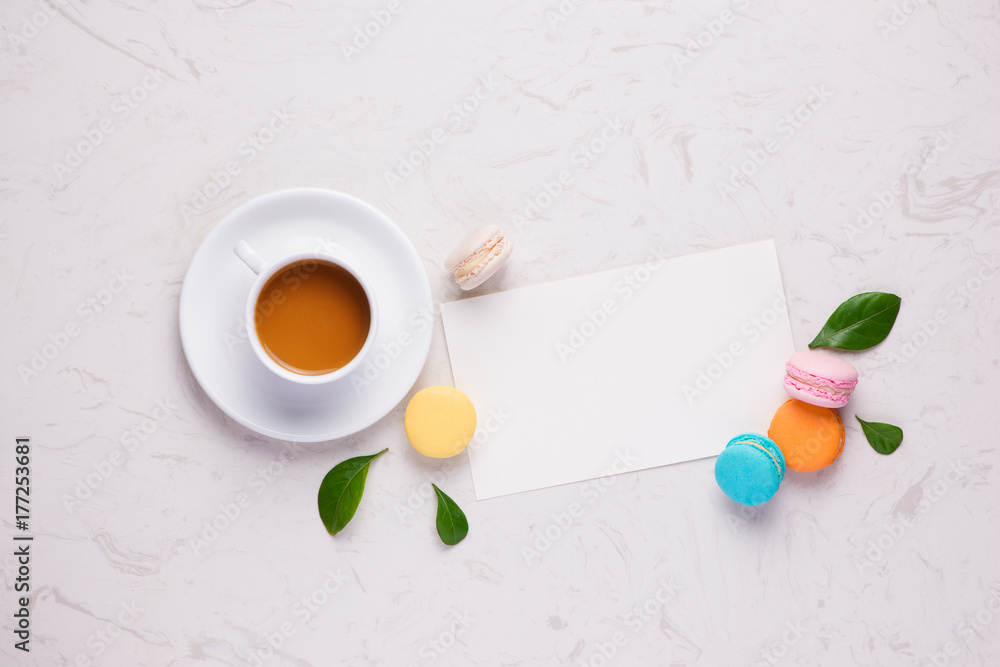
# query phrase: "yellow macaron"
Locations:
[[440, 421]]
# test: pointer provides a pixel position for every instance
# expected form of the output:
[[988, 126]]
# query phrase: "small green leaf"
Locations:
[[861, 322], [451, 522], [884, 438], [341, 490]]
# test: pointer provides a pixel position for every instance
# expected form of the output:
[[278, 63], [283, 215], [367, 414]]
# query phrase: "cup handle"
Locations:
[[250, 257]]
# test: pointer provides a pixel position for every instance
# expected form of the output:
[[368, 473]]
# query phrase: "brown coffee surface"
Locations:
[[312, 317]]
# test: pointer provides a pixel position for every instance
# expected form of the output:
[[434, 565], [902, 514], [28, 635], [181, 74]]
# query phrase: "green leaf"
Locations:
[[861, 322], [341, 489], [884, 438], [451, 522]]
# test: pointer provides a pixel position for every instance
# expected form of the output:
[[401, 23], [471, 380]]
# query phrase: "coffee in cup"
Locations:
[[313, 315]]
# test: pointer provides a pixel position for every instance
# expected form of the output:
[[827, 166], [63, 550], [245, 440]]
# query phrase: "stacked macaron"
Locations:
[[806, 432], [808, 428]]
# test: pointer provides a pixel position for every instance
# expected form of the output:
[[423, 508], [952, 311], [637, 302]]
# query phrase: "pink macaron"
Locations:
[[820, 379]]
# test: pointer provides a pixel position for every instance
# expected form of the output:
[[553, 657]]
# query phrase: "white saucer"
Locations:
[[213, 302]]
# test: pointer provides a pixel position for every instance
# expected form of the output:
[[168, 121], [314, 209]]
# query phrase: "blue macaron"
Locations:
[[750, 469]]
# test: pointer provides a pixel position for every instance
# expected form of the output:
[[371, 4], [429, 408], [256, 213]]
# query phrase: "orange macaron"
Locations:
[[810, 437]]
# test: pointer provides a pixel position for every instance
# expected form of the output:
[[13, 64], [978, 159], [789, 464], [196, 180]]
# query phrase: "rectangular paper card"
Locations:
[[626, 369]]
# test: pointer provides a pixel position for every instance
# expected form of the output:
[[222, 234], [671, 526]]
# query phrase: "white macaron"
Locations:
[[478, 256]]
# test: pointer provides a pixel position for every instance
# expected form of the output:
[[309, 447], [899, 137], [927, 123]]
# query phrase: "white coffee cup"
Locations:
[[265, 271]]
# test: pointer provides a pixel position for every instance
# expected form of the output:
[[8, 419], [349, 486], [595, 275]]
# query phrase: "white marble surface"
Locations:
[[874, 561]]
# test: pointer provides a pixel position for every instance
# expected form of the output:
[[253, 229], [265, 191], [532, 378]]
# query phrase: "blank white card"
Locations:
[[626, 369]]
